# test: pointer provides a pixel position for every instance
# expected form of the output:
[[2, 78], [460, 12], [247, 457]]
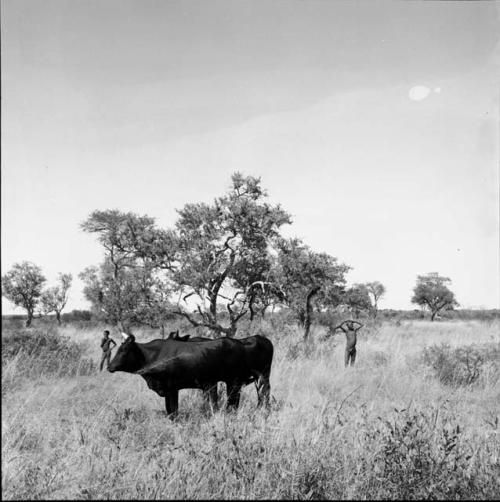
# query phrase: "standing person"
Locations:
[[106, 348], [350, 330]]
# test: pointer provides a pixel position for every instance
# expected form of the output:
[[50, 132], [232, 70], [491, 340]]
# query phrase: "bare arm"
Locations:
[[350, 323], [332, 331]]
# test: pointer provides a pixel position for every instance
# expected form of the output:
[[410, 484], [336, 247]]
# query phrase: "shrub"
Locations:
[[33, 353], [461, 365], [418, 456], [77, 315]]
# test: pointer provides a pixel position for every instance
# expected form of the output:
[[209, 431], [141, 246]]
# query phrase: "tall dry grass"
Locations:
[[387, 428]]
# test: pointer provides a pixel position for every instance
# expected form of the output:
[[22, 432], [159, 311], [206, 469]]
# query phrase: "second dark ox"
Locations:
[[259, 356], [172, 364]]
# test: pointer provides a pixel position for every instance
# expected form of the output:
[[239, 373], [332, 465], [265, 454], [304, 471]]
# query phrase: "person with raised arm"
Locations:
[[350, 330]]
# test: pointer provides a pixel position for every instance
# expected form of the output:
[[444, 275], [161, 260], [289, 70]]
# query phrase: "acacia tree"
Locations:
[[214, 259], [357, 299], [127, 295], [432, 292], [154, 307], [127, 287], [54, 299], [223, 253], [112, 295], [308, 280], [376, 290], [22, 285]]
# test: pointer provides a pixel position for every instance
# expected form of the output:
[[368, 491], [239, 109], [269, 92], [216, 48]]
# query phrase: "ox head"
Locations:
[[127, 357]]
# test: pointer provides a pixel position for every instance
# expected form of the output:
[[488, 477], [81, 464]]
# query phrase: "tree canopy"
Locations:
[[376, 290], [54, 299], [215, 257], [357, 298], [308, 279], [432, 292], [23, 285]]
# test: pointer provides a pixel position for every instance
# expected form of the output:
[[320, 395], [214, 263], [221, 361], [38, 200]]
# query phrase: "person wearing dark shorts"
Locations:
[[107, 345]]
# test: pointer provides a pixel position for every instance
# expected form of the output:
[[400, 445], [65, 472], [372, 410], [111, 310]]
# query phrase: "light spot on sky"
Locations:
[[419, 92]]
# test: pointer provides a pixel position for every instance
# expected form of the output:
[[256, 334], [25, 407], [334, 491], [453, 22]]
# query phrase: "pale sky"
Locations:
[[375, 124]]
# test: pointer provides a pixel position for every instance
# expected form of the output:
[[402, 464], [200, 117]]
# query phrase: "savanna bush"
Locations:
[[419, 455], [460, 366], [30, 353]]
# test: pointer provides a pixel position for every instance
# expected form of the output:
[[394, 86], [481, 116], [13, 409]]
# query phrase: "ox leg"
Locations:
[[258, 386], [233, 395], [172, 403], [263, 386], [211, 397], [265, 391]]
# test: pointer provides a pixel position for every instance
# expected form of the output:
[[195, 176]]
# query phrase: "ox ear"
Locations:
[[171, 335]]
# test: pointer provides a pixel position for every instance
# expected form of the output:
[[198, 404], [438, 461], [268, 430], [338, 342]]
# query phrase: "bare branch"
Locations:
[[188, 295], [225, 247], [205, 324], [237, 317], [188, 317]]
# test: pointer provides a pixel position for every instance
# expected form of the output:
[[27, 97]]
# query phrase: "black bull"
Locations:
[[198, 363]]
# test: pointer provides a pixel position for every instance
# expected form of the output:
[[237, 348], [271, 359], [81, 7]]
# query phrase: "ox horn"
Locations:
[[125, 336]]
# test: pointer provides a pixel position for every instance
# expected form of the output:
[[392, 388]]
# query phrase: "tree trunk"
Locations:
[[29, 319], [58, 317], [231, 332], [250, 307], [263, 311], [307, 318], [433, 314], [213, 308]]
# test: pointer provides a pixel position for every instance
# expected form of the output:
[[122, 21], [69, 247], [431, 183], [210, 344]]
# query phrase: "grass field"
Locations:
[[413, 419]]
